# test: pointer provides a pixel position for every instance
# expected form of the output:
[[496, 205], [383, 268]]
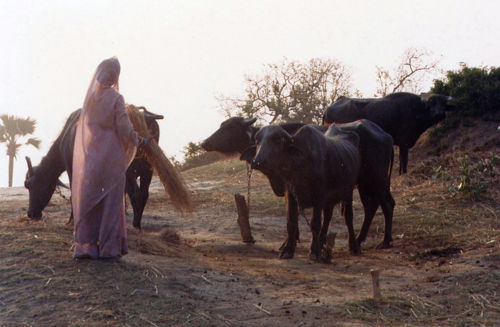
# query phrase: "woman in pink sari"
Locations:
[[105, 144]]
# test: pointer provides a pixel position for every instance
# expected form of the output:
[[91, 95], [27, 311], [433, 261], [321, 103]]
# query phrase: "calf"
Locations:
[[320, 170]]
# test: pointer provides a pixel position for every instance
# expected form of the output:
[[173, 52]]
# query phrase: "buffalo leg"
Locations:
[[388, 209], [327, 217], [144, 195], [134, 194], [348, 216], [292, 227], [71, 217], [316, 237], [297, 238], [370, 205], [403, 159]]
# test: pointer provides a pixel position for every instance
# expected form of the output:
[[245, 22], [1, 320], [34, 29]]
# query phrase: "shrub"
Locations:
[[475, 91], [473, 177]]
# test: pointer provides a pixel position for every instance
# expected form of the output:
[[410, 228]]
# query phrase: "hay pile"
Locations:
[[169, 176], [165, 242]]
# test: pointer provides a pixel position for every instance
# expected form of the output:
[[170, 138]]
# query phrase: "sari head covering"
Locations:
[[105, 76]]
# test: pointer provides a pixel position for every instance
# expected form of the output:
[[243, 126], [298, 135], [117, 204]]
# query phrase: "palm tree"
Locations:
[[11, 131]]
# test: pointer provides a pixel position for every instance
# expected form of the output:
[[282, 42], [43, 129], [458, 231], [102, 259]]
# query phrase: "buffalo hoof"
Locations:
[[360, 240], [283, 246], [326, 255], [384, 245], [326, 259], [33, 216], [314, 256], [355, 249], [286, 254]]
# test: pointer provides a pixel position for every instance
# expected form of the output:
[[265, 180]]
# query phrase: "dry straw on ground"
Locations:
[[169, 176]]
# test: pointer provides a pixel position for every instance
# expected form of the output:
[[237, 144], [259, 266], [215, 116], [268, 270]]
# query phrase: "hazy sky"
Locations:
[[177, 55]]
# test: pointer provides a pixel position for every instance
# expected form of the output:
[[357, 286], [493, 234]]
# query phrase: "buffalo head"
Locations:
[[437, 105], [275, 151], [40, 190], [234, 135]]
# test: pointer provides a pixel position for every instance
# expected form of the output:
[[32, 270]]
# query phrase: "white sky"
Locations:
[[177, 55]]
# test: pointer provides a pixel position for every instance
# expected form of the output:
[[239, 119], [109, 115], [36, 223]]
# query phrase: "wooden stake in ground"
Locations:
[[243, 222], [328, 247], [376, 284]]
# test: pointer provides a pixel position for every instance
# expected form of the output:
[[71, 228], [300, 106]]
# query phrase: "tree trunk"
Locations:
[[11, 169]]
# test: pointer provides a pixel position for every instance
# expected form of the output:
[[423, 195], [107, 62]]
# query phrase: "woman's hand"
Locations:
[[143, 141]]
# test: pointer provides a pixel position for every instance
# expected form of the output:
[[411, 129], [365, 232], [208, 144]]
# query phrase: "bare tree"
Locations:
[[291, 91], [416, 66]]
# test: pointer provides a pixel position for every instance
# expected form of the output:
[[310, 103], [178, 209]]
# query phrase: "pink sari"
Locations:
[[105, 144]]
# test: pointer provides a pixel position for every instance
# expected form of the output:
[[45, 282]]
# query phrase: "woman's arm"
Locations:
[[124, 127]]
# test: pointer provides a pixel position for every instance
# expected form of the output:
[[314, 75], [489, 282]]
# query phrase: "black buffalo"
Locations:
[[319, 170], [404, 116], [373, 180], [42, 180]]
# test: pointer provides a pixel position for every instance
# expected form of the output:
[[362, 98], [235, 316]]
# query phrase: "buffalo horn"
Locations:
[[30, 166], [149, 115], [249, 122], [61, 184]]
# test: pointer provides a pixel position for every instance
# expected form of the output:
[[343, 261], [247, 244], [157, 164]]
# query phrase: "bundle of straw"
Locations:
[[169, 176]]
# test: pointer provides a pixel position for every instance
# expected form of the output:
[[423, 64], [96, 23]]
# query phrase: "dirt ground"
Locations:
[[194, 270]]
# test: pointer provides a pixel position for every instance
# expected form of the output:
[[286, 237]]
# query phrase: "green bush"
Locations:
[[195, 156], [201, 159], [475, 91]]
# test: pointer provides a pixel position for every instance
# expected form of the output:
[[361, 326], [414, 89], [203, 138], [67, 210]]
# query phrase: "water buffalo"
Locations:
[[404, 116], [319, 170], [376, 150], [42, 180]]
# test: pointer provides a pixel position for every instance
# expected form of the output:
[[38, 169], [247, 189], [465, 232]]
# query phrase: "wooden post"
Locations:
[[376, 283], [327, 251], [241, 206], [330, 241]]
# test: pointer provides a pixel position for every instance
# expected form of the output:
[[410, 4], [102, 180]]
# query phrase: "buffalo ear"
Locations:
[[451, 104], [249, 122], [249, 154]]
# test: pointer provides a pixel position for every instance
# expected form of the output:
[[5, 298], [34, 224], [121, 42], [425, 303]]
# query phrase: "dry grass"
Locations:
[[41, 285], [169, 175]]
